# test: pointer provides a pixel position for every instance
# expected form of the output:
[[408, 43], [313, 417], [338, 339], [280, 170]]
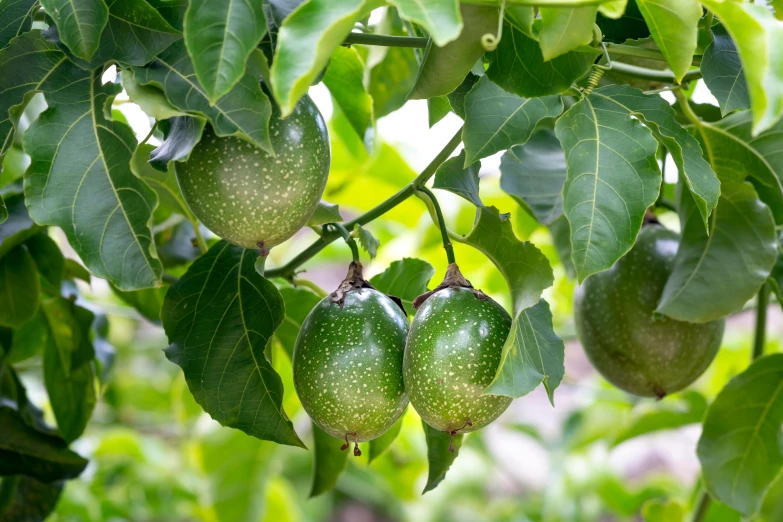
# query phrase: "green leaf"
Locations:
[[298, 303], [163, 183], [613, 176], [665, 416], [344, 78], [561, 238], [368, 242], [3, 211], [533, 174], [463, 181], [17, 18], [524, 267], [716, 275], [663, 511], [406, 278], [739, 447], [443, 68], [772, 507], [379, 445], [533, 354], [102, 207], [220, 37], [27, 62], [324, 213], [244, 111], [19, 288], [27, 451], [48, 260], [722, 72], [521, 17], [674, 27], [630, 26], [458, 96], [659, 117], [759, 40], [736, 155], [305, 42], [152, 100], [329, 461], [497, 120], [148, 301], [440, 18], [79, 22], [219, 317], [438, 455], [564, 29], [32, 500], [437, 109], [182, 134], [518, 66], [29, 339], [18, 227], [173, 11]]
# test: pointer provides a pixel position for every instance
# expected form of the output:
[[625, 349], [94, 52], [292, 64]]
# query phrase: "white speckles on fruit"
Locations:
[[453, 351], [348, 365], [246, 196]]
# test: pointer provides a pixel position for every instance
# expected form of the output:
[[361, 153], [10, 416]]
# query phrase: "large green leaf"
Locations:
[[739, 448], [49, 261], [219, 317], [19, 287], [163, 183], [150, 98], [533, 354], [659, 117], [524, 267], [444, 68], [722, 72], [68, 374], [344, 78], [630, 26], [18, 227], [31, 500], [716, 275], [759, 40], [459, 177], [441, 18], [298, 303], [534, 173], [406, 278], [305, 42], [736, 154], [519, 67], [665, 415], [329, 461], [378, 446], [674, 27], [220, 37], [244, 111], [438, 455], [16, 17], [26, 63], [612, 178], [564, 29], [173, 11], [497, 120], [80, 180], [25, 450], [79, 22], [772, 508]]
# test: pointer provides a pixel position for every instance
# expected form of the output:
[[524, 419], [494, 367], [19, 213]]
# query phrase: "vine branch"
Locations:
[[288, 270]]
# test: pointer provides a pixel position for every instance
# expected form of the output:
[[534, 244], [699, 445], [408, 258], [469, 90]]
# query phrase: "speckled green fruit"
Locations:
[[453, 352], [247, 196], [634, 350], [348, 365]]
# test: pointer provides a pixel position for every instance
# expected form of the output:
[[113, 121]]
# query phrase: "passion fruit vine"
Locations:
[[454, 349], [632, 348], [249, 197], [348, 361]]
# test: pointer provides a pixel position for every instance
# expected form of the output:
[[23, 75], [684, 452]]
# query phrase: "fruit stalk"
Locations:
[[288, 270], [447, 246], [348, 239]]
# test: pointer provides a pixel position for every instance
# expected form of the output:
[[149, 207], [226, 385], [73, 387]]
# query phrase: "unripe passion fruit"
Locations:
[[634, 350], [249, 197], [453, 351], [348, 362]]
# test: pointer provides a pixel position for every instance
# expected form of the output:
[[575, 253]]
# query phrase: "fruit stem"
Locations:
[[348, 239], [762, 301], [702, 507], [289, 269], [386, 41], [447, 246]]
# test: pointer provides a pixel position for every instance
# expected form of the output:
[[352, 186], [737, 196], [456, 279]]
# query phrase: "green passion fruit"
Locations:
[[632, 348], [453, 351], [249, 197], [348, 362]]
